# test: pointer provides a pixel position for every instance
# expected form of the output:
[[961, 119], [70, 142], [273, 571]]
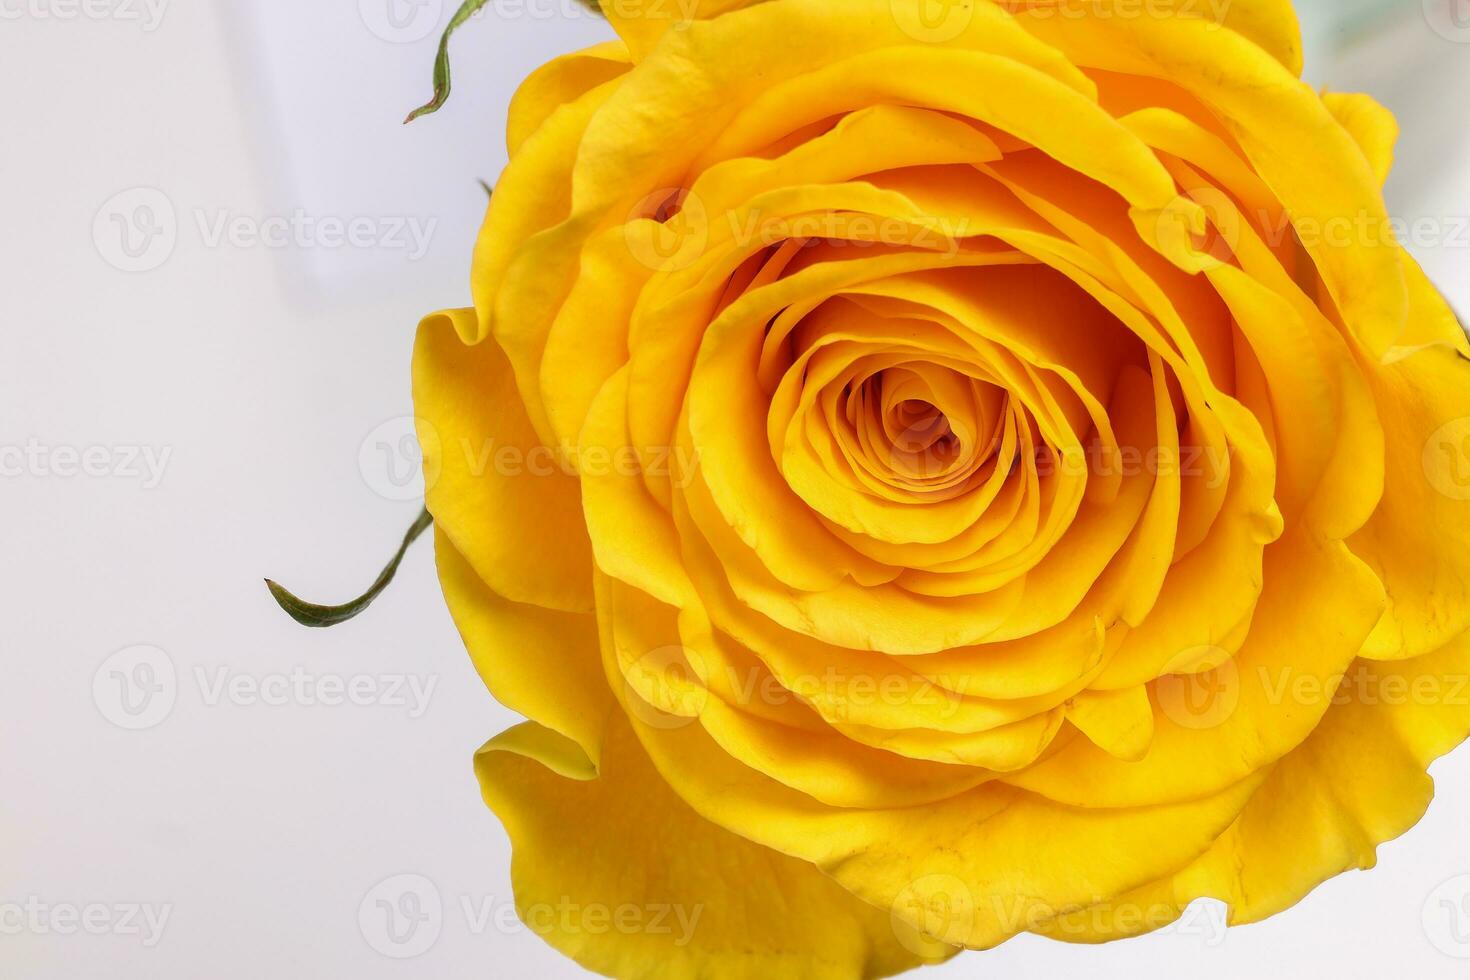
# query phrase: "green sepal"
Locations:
[[310, 614], [442, 80]]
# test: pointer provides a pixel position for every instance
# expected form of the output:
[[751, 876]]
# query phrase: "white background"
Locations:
[[275, 379]]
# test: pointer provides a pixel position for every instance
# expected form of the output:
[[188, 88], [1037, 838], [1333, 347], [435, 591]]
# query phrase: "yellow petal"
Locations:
[[1294, 143], [538, 662], [641, 23], [1359, 781], [1415, 539], [1120, 722], [558, 82], [1371, 126], [996, 858], [495, 491], [1250, 711], [1271, 24], [633, 539], [621, 875]]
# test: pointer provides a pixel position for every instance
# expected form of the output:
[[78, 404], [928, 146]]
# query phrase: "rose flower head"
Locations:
[[931, 472]]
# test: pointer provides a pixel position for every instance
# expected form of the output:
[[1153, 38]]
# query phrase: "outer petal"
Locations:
[[1372, 127], [1319, 603], [559, 82], [621, 875], [539, 662], [640, 23], [494, 490], [1271, 24], [1359, 781], [993, 859], [1415, 540], [1319, 173]]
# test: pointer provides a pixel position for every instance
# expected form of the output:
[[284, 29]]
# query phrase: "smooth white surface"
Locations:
[[270, 384]]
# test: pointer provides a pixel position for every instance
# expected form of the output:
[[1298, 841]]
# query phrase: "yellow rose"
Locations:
[[932, 471]]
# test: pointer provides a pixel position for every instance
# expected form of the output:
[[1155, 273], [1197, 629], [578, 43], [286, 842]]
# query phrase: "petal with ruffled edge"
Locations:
[[1360, 780], [621, 875], [498, 494], [559, 684]]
